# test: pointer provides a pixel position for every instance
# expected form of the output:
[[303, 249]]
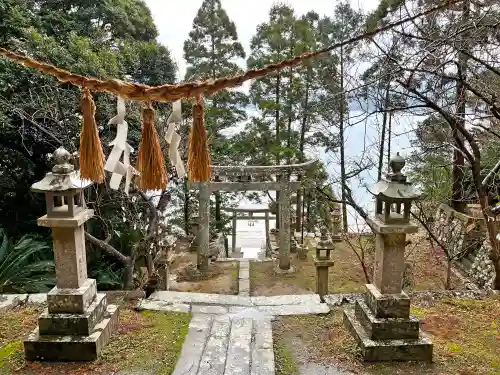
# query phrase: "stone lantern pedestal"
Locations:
[[78, 321], [381, 323]]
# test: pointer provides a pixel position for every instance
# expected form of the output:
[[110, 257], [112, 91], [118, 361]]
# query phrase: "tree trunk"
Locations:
[[458, 173], [186, 207], [343, 181], [278, 142], [448, 275], [382, 137], [298, 220], [128, 274], [389, 141]]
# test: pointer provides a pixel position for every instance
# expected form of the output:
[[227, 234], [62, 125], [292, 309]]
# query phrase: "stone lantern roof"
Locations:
[[63, 176], [395, 186], [325, 242]]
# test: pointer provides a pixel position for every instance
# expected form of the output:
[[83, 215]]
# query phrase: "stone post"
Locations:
[[234, 233], [382, 324], [195, 230], [77, 322], [323, 262], [204, 229], [284, 232]]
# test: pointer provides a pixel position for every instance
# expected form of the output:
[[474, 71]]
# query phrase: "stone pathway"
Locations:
[[227, 345], [230, 335]]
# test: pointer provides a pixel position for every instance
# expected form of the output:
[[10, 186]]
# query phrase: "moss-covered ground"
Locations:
[[145, 343], [465, 333]]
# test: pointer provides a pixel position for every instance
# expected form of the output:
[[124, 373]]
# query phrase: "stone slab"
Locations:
[[213, 360], [37, 299], [65, 222], [194, 343], [385, 328], [244, 287], [73, 324], [339, 299], [244, 265], [320, 308], [146, 304], [8, 301], [200, 298], [72, 300], [382, 228], [387, 350], [72, 348], [244, 274], [280, 271], [387, 305], [262, 350], [304, 299], [248, 312], [209, 309], [239, 348]]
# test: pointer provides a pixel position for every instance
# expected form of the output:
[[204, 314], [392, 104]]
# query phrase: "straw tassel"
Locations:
[[91, 155], [151, 162], [198, 155]]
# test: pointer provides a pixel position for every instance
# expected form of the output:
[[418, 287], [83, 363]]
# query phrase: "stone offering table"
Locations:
[[77, 322], [382, 324]]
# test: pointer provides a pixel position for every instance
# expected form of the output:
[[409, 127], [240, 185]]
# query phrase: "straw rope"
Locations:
[[167, 92]]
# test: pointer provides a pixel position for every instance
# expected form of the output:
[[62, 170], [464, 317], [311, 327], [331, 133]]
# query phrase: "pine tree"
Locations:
[[334, 71], [211, 51]]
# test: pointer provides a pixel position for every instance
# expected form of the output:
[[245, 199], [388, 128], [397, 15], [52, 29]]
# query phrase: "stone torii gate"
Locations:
[[250, 216], [251, 178]]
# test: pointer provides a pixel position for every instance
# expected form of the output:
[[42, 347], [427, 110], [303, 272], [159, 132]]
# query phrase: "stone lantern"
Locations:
[[381, 323], [336, 223], [324, 246], [323, 262], [77, 322]]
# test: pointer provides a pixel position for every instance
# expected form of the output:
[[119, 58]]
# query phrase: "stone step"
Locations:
[[387, 350], [73, 324], [222, 345], [239, 348], [199, 298], [385, 328], [194, 345], [214, 355], [262, 349]]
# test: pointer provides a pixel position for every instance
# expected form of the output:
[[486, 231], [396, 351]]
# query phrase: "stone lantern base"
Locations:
[[75, 326], [384, 329]]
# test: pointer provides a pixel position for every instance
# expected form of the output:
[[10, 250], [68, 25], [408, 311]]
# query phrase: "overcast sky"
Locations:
[[174, 19]]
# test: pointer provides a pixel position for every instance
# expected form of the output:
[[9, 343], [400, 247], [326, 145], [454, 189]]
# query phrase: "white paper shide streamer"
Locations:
[[120, 147], [173, 138]]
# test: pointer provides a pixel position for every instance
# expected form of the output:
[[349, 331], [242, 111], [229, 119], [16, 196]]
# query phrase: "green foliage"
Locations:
[[212, 50], [25, 266], [111, 38]]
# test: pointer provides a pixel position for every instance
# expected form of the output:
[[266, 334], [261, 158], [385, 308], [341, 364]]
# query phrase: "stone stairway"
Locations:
[[227, 345]]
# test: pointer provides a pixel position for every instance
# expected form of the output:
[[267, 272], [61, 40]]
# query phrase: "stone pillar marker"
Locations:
[[382, 324], [323, 262], [77, 322]]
